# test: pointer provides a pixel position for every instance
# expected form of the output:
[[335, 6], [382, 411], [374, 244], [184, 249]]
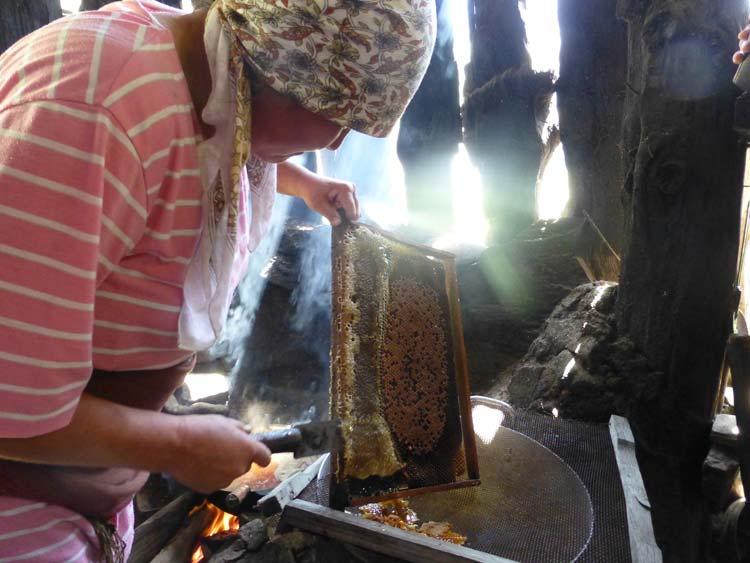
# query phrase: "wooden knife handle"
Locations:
[[287, 440]]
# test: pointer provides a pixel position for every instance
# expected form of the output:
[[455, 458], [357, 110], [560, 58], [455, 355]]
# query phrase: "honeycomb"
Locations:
[[414, 366], [368, 446]]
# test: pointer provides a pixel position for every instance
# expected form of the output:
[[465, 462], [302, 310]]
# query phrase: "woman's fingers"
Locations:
[[343, 196]]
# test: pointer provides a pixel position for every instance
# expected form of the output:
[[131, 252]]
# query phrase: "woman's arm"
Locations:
[[321, 194], [204, 452]]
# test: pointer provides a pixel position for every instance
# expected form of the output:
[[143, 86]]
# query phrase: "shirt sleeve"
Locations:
[[72, 201]]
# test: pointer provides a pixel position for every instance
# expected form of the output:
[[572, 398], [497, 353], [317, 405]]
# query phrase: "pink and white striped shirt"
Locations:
[[100, 212]]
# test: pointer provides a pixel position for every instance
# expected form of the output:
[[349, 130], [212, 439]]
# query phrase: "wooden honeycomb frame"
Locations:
[[399, 382]]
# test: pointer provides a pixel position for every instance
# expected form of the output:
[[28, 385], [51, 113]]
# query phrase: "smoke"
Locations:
[[373, 166], [250, 290], [445, 10], [283, 376]]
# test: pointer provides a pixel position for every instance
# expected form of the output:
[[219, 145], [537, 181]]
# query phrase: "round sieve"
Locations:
[[531, 506]]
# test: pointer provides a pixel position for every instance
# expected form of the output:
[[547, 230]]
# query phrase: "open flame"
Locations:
[[222, 522], [259, 478]]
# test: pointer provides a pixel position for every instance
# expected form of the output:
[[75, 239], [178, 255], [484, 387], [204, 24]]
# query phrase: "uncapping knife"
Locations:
[[303, 440]]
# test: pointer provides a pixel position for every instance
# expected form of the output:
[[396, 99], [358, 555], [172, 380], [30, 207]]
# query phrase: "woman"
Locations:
[[126, 218]]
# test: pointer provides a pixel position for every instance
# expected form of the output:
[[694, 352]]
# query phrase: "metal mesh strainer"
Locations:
[[531, 506]]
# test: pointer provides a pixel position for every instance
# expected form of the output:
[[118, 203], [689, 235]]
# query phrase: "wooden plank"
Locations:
[[377, 537], [643, 548]]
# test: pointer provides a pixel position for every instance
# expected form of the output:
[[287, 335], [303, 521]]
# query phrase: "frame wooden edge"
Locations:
[[462, 370], [406, 493]]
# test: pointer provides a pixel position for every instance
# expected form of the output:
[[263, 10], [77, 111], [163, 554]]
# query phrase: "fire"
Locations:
[[258, 478], [222, 522]]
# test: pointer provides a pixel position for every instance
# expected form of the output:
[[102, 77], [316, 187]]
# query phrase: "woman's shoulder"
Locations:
[[79, 58]]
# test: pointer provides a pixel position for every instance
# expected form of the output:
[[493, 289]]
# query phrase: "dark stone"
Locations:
[[254, 534], [154, 495], [579, 365], [269, 553], [508, 293], [724, 431], [235, 552], [720, 469]]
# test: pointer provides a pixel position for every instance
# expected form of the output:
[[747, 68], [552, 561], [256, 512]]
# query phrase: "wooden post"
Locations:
[[428, 138], [590, 96], [506, 103], [683, 186], [21, 17]]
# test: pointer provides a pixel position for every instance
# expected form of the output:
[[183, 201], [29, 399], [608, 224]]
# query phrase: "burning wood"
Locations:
[[221, 523], [181, 545], [153, 534]]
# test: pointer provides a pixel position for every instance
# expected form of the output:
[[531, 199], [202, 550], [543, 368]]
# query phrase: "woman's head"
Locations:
[[348, 64], [282, 128]]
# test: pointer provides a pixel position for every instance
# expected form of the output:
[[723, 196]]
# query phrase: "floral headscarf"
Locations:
[[355, 62]]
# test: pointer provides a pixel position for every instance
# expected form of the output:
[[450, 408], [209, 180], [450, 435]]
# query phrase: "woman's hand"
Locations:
[[744, 45], [321, 194], [212, 451], [204, 452], [327, 195]]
